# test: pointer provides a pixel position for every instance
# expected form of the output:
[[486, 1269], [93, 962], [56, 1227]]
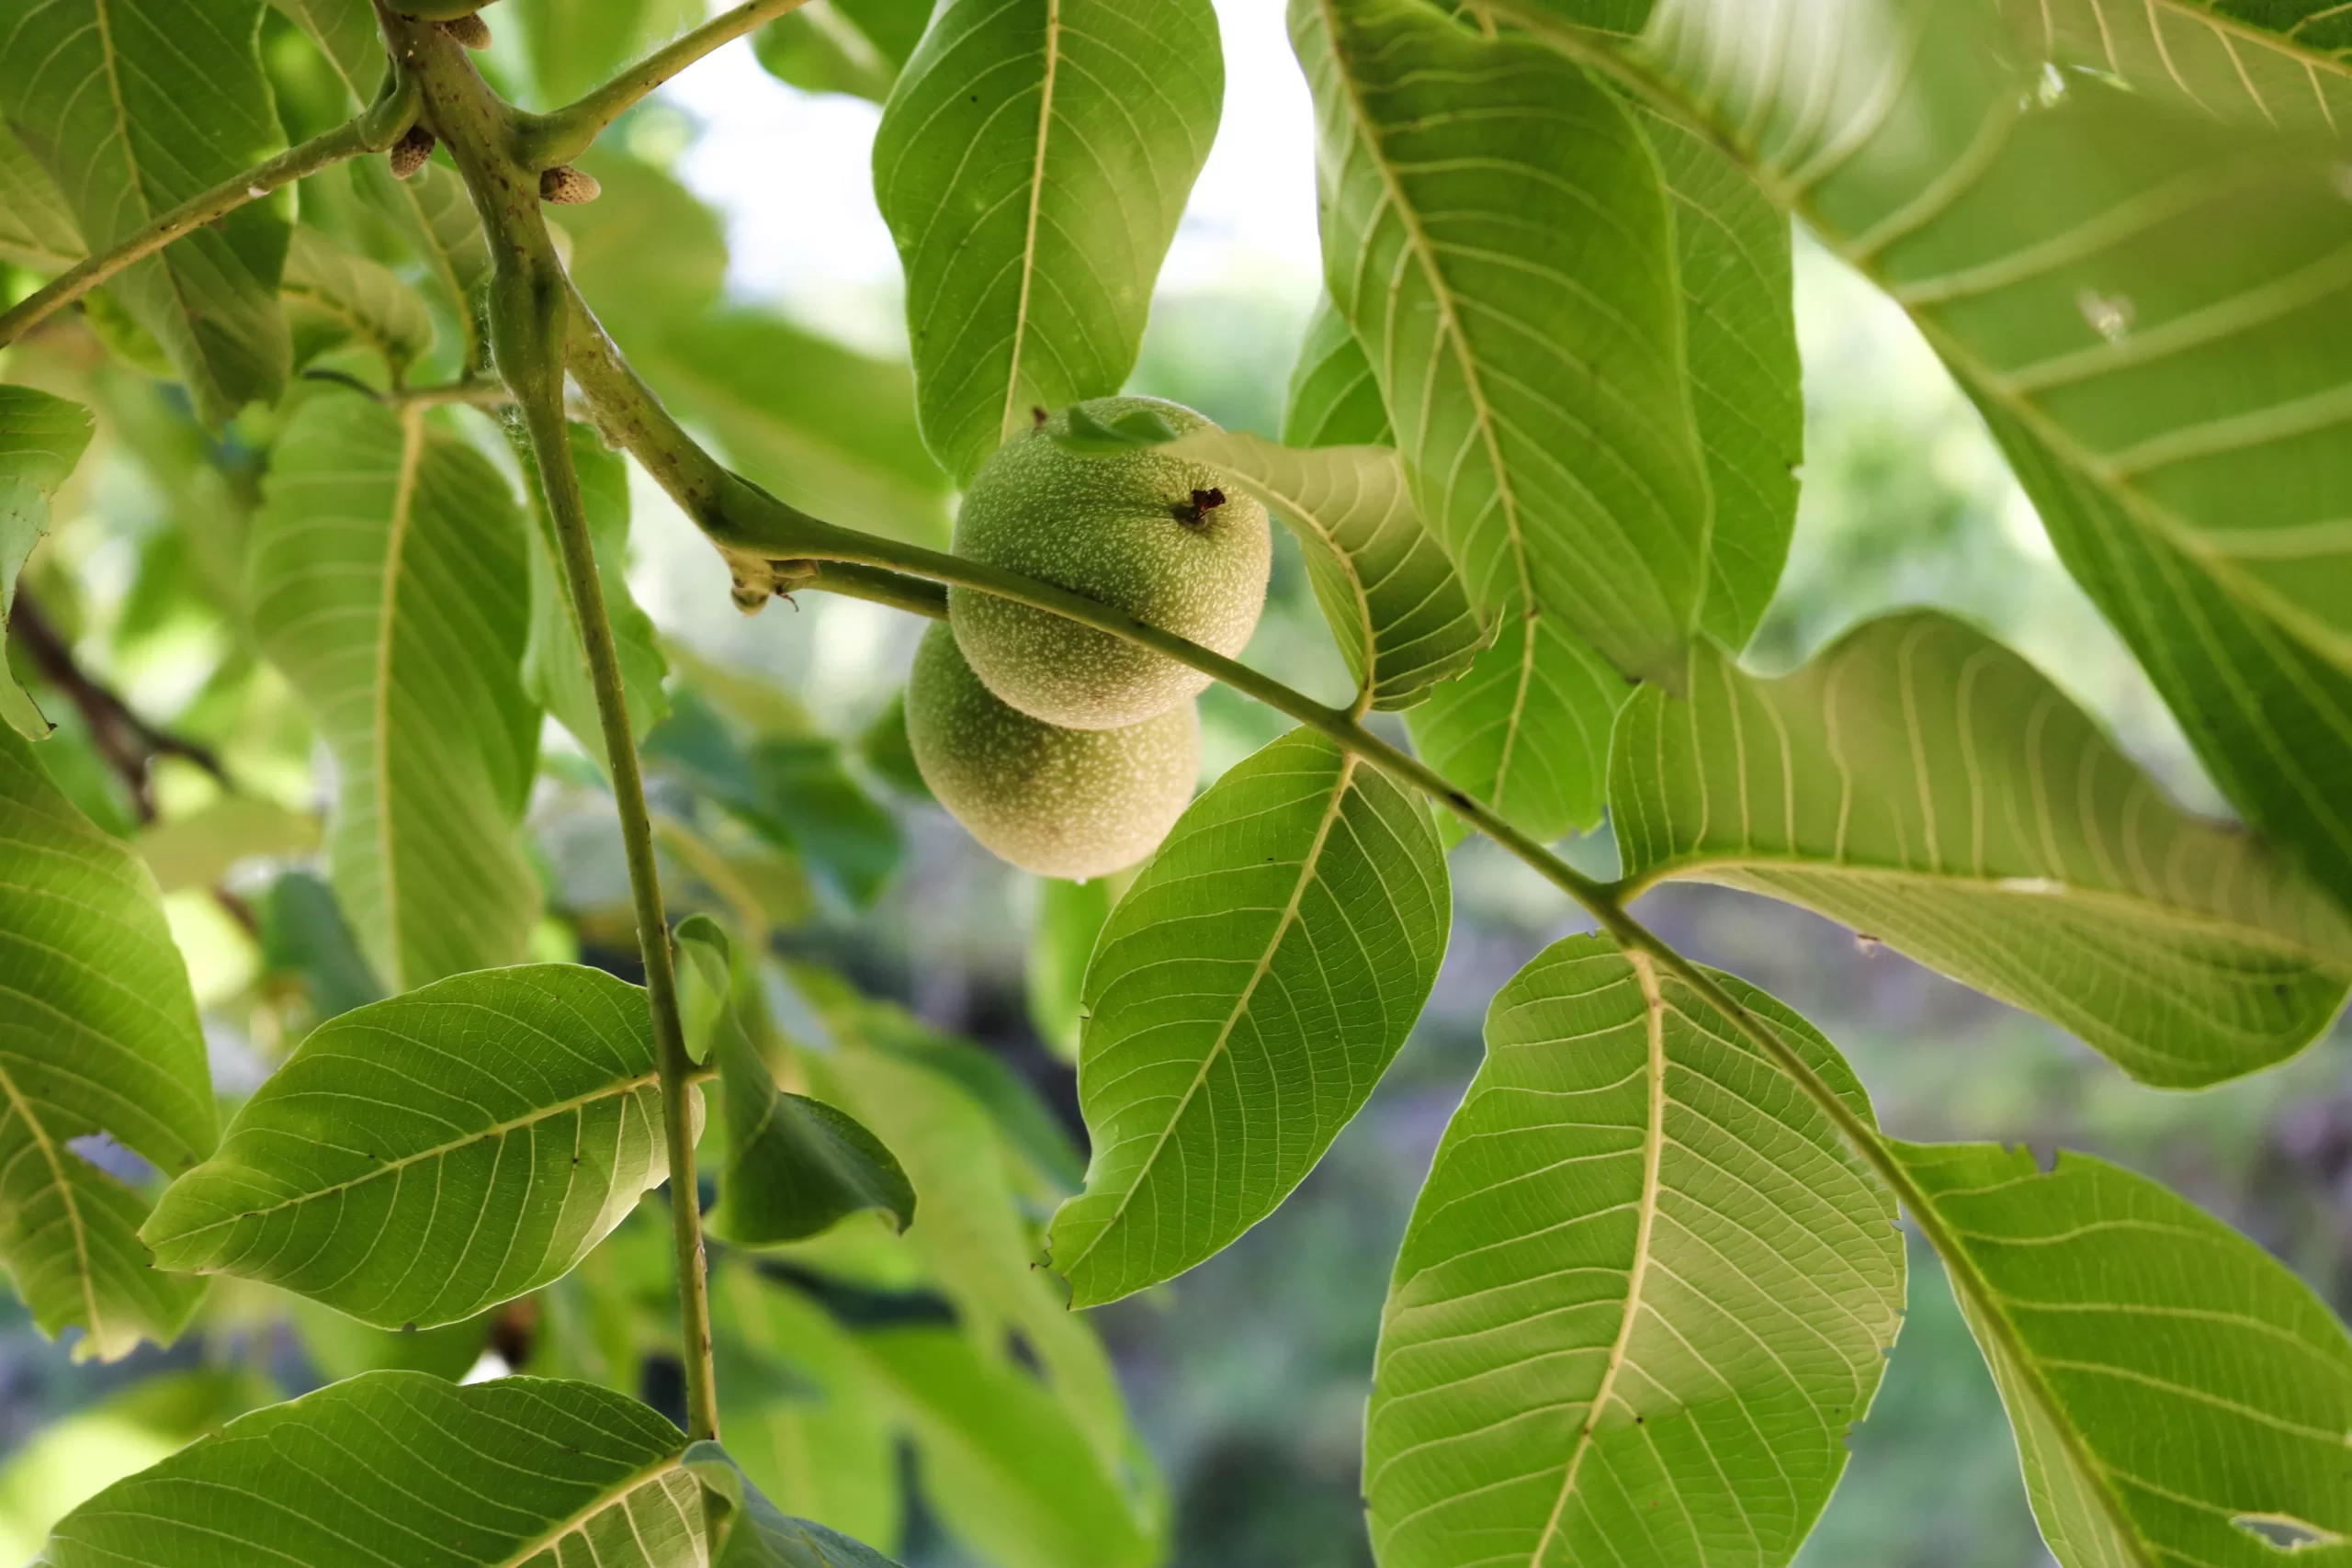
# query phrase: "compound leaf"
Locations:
[[1032, 163], [41, 439], [133, 106], [1496, 231], [2178, 1395], [1246, 996], [403, 1467], [1645, 1294], [1923, 784], [391, 584], [421, 1158], [98, 1035]]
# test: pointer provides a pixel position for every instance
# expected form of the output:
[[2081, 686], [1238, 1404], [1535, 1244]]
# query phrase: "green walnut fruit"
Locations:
[[1154, 535], [1069, 803]]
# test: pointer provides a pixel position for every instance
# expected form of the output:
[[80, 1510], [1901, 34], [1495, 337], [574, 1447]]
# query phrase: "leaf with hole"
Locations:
[[1496, 233], [98, 1040], [1645, 1294], [1248, 993], [391, 586], [135, 107], [418, 1159], [2178, 1395], [41, 439], [401, 1467], [1923, 784], [1032, 163]]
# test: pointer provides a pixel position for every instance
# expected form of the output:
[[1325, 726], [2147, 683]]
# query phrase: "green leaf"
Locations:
[[825, 1447], [647, 250], [1511, 275], [1030, 1129], [199, 848], [1008, 1471], [1247, 995], [2152, 312], [437, 217], [133, 106], [2260, 63], [399, 1467], [843, 46], [1923, 784], [555, 668], [573, 45], [347, 35], [1032, 163], [751, 1532], [1400, 614], [1525, 729], [795, 1166], [1643, 1296], [1731, 247], [97, 1036], [418, 1159], [342, 1347], [1334, 397], [36, 228], [391, 586], [41, 439], [2178, 1395], [1070, 916], [335, 296], [303, 933]]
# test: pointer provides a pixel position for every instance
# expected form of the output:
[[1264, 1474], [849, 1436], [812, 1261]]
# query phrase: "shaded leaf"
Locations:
[[197, 850], [795, 1166], [1246, 996], [36, 228], [1923, 784], [391, 586], [1070, 917], [433, 214], [418, 1159], [1032, 163], [555, 666], [1030, 1128], [1511, 273], [399, 1467], [335, 296], [303, 933], [751, 1532], [133, 106], [2178, 1394], [41, 439], [2260, 63], [842, 46], [346, 33], [1334, 397], [1524, 730], [573, 45], [1645, 1294], [98, 1035], [1731, 247]]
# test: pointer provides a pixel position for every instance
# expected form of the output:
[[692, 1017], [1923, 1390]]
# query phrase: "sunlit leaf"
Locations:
[[391, 586], [2178, 1395], [335, 297], [555, 668], [399, 1467], [2285, 64], [421, 1158], [1928, 787], [1645, 1294], [133, 106], [1246, 996], [795, 1166], [1496, 231], [97, 1036], [1032, 163], [751, 1532], [41, 439]]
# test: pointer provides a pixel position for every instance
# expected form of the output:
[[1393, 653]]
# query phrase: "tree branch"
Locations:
[[372, 131], [126, 741], [562, 135]]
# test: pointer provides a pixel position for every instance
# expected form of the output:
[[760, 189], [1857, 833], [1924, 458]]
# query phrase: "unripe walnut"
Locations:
[[1069, 803], [1153, 535]]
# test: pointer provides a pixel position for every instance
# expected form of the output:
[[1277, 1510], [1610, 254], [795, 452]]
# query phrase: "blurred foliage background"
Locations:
[[1246, 1378]]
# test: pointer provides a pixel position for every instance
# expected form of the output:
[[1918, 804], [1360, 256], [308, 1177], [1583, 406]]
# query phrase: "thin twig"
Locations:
[[562, 135]]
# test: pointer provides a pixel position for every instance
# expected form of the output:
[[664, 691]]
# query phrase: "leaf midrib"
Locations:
[[1008, 420], [1309, 869], [609, 1498], [51, 1157], [380, 714]]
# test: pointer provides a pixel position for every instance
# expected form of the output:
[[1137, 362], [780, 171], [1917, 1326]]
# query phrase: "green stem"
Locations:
[[528, 300], [370, 133], [563, 134]]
